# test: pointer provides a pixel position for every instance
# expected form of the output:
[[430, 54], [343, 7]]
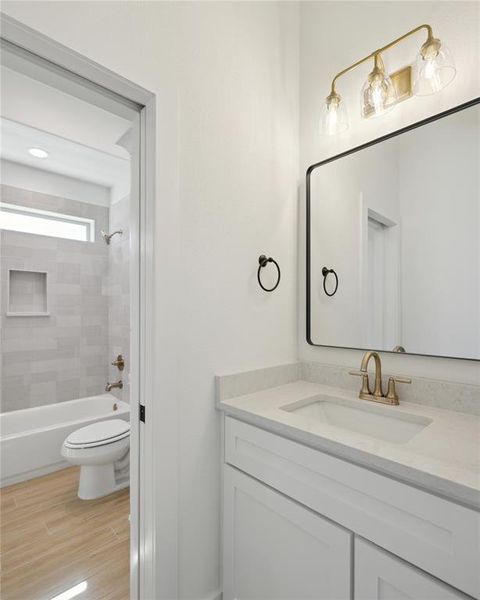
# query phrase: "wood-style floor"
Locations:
[[51, 540]]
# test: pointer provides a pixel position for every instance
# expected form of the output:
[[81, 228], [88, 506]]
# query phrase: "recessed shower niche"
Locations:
[[27, 294]]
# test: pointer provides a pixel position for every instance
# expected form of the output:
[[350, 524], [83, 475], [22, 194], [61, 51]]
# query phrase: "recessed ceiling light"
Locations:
[[38, 152]]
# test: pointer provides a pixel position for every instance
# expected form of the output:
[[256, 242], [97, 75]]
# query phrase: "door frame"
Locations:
[[392, 289], [81, 70]]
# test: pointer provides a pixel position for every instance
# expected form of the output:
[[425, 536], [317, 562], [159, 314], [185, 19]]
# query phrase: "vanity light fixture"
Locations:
[[433, 70], [378, 92], [334, 117]]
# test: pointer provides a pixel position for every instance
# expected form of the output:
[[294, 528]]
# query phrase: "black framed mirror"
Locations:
[[393, 241]]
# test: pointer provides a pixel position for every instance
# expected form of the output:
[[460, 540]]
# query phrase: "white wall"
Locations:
[[46, 182], [439, 203], [226, 79], [335, 34]]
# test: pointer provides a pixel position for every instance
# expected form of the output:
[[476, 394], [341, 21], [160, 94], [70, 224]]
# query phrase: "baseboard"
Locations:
[[33, 473]]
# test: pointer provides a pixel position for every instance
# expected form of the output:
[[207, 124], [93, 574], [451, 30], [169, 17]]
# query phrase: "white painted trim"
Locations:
[[392, 320], [144, 584], [26, 475], [65, 58], [221, 464], [135, 362], [146, 274]]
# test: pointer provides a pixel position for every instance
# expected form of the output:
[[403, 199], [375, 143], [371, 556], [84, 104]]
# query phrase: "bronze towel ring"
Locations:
[[263, 261], [325, 273]]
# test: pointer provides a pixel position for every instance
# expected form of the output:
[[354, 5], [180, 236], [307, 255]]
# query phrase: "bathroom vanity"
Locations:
[[335, 491], [328, 496]]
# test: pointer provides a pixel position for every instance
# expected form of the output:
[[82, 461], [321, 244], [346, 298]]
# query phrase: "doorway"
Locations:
[[81, 191], [379, 278]]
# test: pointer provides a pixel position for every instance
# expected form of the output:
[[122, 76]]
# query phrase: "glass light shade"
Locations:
[[433, 71], [334, 117], [378, 94]]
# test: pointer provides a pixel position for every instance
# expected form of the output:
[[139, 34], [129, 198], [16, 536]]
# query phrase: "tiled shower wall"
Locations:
[[64, 355]]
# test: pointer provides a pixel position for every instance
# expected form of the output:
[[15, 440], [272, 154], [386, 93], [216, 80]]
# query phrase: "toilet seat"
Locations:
[[98, 434]]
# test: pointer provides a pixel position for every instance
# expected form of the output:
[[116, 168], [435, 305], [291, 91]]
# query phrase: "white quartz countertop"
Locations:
[[443, 458]]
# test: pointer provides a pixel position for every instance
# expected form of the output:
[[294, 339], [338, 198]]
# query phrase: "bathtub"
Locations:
[[31, 438]]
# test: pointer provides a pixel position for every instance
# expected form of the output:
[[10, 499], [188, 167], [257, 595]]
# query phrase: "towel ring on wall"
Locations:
[[325, 273], [263, 261]]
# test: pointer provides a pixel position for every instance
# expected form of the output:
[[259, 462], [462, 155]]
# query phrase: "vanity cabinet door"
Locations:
[[382, 576], [276, 549]]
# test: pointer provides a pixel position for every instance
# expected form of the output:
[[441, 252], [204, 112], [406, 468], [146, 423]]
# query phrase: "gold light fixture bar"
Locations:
[[433, 70], [430, 41]]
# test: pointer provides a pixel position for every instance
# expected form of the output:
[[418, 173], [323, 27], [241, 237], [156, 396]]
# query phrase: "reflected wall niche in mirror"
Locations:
[[396, 224]]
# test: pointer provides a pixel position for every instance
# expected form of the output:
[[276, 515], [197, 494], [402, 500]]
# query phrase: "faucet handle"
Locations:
[[365, 385], [119, 362], [391, 391], [399, 379]]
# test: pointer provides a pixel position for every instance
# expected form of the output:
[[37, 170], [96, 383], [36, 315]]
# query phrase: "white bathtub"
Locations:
[[30, 439]]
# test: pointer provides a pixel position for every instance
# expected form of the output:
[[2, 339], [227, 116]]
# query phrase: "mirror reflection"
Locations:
[[398, 225]]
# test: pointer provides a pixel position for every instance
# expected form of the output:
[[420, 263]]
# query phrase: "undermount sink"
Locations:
[[380, 422]]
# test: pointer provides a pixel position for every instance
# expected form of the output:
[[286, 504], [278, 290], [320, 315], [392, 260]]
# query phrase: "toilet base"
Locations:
[[97, 481]]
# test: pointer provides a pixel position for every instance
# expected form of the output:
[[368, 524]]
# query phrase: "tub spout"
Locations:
[[117, 384]]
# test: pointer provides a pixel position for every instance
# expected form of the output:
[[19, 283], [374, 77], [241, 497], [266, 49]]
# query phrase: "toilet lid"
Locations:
[[103, 432]]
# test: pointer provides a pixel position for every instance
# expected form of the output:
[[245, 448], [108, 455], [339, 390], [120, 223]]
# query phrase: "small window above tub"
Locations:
[[44, 222], [27, 294]]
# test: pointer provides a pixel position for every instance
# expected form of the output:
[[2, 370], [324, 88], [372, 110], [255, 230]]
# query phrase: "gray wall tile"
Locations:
[[66, 355]]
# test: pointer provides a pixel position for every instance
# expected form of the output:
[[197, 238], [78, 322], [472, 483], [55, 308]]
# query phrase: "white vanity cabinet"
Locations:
[[381, 576], [276, 548], [293, 517]]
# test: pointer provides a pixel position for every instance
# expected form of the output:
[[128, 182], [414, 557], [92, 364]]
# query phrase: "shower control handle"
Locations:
[[119, 362]]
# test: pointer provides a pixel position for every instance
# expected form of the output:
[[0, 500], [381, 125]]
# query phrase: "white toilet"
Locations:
[[102, 451]]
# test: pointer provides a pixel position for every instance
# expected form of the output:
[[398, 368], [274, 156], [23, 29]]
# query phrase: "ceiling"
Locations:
[[80, 137], [45, 107]]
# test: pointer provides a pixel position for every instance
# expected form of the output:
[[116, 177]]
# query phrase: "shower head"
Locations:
[[108, 236]]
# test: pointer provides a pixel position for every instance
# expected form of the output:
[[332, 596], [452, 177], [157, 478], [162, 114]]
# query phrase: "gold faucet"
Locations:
[[391, 396], [118, 384]]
